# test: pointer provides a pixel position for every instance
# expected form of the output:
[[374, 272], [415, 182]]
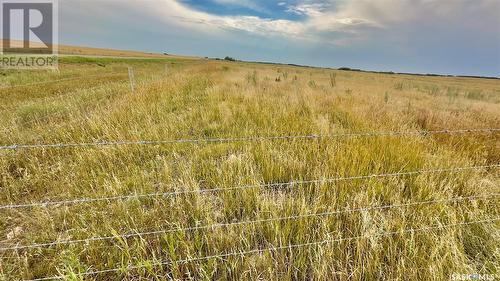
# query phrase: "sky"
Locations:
[[460, 37]]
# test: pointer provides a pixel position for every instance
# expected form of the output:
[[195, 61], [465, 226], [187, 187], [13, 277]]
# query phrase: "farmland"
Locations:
[[214, 170]]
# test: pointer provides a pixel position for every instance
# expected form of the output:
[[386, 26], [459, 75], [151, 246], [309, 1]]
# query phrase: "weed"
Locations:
[[433, 90], [333, 80], [452, 93], [252, 78], [475, 95], [399, 86], [285, 75]]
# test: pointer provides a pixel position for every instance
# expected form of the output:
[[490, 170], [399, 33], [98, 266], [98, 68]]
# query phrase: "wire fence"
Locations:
[[492, 196], [235, 188], [242, 254], [74, 78], [245, 139]]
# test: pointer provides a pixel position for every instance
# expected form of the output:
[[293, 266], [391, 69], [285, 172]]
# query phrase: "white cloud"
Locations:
[[308, 9], [326, 21], [457, 36], [180, 14], [318, 19]]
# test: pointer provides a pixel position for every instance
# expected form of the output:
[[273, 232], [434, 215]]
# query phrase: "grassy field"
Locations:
[[267, 231]]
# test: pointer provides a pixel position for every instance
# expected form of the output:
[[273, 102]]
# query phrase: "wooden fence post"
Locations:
[[131, 78]]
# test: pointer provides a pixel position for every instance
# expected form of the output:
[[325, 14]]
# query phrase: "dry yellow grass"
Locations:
[[199, 99]]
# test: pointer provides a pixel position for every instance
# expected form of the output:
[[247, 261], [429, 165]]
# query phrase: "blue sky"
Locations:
[[424, 36], [260, 8]]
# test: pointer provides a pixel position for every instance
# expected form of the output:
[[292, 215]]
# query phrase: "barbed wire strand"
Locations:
[[243, 139], [250, 222], [416, 231], [243, 187]]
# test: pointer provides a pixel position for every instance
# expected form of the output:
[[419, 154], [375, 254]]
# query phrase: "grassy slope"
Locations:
[[202, 99]]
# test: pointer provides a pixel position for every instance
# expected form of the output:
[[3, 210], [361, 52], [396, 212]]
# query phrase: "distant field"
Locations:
[[89, 51], [214, 170], [86, 51]]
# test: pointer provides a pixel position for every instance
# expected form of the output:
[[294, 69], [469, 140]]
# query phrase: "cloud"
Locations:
[[308, 9], [340, 22], [318, 20], [411, 35], [180, 14]]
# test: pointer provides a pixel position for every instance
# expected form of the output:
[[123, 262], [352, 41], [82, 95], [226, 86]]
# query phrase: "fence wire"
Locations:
[[243, 187], [242, 254], [492, 196], [243, 139]]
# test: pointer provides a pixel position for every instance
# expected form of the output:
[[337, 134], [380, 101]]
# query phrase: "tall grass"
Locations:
[[202, 100]]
